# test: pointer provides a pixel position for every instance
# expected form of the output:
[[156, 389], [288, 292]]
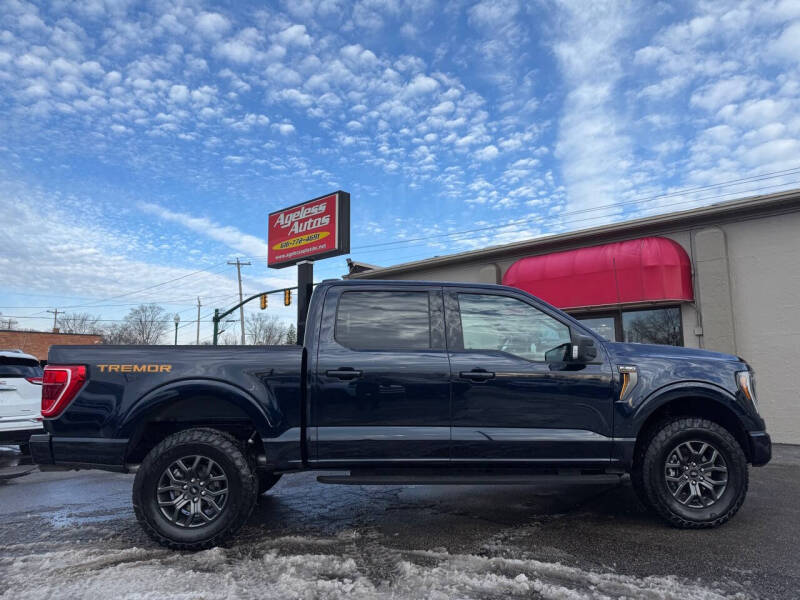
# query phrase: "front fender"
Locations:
[[175, 391], [632, 418]]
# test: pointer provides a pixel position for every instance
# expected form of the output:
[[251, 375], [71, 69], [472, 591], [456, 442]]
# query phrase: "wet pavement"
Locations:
[[74, 535]]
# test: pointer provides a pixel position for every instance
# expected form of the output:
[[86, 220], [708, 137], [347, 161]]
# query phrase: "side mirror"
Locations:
[[583, 349]]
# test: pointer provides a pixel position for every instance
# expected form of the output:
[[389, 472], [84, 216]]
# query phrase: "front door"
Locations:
[[515, 397], [382, 388]]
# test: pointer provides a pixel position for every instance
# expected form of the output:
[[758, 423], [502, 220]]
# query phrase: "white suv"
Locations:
[[20, 397]]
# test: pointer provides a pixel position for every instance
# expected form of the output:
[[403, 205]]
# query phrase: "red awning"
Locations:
[[649, 269]]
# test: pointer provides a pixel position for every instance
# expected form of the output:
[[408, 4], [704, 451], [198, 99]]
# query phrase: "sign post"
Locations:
[[303, 233]]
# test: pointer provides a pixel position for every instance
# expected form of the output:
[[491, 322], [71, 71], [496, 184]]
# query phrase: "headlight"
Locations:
[[746, 383]]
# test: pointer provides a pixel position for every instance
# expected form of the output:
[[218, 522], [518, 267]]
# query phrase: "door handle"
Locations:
[[476, 375], [344, 373]]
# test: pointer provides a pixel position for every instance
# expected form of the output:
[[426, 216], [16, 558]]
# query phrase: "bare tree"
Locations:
[[118, 333], [263, 330], [78, 323], [228, 338], [146, 323], [655, 327], [7, 322]]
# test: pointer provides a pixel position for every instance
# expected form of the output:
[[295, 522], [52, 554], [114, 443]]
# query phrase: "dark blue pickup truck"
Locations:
[[404, 382]]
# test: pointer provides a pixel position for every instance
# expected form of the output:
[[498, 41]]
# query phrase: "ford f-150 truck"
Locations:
[[404, 382]]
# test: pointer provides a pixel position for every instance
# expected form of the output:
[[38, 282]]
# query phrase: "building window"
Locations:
[[647, 326], [605, 327], [656, 326]]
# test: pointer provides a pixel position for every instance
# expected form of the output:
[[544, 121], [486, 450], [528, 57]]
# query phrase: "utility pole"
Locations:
[[239, 266], [197, 342], [55, 319]]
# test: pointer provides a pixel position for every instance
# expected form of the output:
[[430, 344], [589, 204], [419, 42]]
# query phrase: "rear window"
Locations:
[[384, 321], [19, 367]]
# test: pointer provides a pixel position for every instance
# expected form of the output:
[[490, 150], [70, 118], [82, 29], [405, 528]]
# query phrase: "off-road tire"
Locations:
[[666, 437], [266, 481], [637, 477], [242, 483]]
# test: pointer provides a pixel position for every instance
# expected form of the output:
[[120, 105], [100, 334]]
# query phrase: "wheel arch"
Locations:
[[192, 403], [700, 400]]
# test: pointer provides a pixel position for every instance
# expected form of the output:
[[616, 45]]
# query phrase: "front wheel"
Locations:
[[194, 490], [694, 473]]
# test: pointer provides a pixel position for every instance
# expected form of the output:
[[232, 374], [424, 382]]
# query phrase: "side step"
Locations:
[[470, 479]]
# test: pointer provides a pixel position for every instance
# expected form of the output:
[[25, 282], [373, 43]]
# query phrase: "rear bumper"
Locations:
[[79, 453], [21, 435], [760, 448]]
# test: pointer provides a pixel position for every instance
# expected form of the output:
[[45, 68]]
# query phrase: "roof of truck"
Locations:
[[377, 282]]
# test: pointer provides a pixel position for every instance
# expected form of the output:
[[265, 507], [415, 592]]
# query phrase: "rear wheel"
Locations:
[[694, 473], [194, 490]]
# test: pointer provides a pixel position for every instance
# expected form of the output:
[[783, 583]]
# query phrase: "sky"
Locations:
[[142, 144]]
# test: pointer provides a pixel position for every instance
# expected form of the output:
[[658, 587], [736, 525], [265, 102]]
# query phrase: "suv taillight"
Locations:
[[36, 380], [60, 385]]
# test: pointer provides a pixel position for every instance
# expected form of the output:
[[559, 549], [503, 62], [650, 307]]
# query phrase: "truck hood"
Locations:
[[624, 351]]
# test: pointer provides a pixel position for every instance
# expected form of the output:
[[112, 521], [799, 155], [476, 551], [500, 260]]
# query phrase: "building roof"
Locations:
[[734, 210]]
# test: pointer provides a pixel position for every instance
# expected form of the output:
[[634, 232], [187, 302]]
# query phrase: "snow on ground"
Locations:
[[350, 565]]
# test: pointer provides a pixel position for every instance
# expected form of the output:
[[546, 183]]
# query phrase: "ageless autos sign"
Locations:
[[311, 230]]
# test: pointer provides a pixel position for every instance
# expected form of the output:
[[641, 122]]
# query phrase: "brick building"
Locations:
[[38, 343]]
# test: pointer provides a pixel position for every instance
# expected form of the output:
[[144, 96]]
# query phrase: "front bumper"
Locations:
[[760, 448], [79, 453]]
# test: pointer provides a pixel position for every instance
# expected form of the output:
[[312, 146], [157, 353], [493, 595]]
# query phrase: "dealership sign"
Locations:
[[311, 230]]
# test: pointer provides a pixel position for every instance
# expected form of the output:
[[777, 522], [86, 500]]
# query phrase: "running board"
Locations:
[[466, 479]]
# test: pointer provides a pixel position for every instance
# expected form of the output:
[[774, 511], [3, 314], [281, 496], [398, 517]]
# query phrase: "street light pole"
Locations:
[[177, 320]]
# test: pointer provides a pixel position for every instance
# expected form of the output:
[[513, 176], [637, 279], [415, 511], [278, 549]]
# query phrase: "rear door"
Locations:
[[382, 389], [515, 398]]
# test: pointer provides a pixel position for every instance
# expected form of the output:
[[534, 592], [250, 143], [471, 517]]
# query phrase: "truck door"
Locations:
[[381, 390], [512, 400]]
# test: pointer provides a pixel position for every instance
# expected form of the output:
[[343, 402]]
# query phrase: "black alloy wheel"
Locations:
[[696, 474], [192, 491]]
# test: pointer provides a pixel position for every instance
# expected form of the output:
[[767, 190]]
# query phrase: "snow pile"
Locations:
[[312, 568]]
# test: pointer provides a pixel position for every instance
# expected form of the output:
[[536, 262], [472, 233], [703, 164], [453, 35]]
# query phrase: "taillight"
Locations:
[[36, 380], [60, 385]]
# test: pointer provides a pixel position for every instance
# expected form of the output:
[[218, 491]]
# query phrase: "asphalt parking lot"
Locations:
[[74, 535]]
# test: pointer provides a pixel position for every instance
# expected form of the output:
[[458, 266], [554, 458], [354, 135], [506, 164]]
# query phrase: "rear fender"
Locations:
[[160, 398]]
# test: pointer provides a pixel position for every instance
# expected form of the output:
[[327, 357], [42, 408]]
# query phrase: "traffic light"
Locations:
[[263, 301], [287, 297]]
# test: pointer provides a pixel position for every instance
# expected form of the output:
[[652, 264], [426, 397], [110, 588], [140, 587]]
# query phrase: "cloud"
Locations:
[[486, 153], [232, 237], [179, 93], [294, 35], [593, 147], [491, 14], [212, 25], [715, 95], [421, 84]]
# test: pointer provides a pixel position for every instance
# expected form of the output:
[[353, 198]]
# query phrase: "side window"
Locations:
[[383, 321], [490, 322]]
